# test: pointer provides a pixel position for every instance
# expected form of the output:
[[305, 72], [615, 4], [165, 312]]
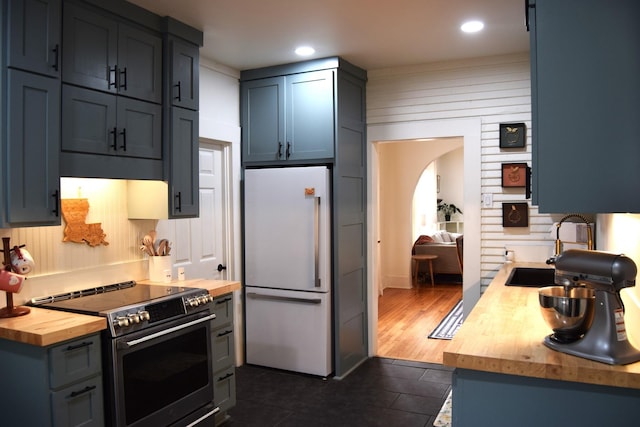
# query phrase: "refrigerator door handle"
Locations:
[[255, 295], [316, 238]]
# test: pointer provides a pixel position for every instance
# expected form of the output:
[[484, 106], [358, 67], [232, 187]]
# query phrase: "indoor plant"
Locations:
[[448, 209]]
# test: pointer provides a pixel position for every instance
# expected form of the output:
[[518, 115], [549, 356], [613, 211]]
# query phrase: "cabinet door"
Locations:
[[309, 117], [34, 36], [222, 343], [88, 121], [184, 74], [224, 389], [79, 405], [90, 53], [139, 129], [585, 105], [31, 173], [184, 179], [139, 64], [263, 120]]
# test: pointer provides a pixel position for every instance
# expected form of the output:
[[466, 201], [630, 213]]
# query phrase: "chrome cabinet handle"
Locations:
[[254, 295], [316, 241], [169, 330]]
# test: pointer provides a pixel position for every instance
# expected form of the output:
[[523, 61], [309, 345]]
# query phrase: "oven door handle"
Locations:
[[169, 331], [204, 417]]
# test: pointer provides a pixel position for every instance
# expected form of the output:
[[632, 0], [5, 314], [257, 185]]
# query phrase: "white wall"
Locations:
[[400, 167], [450, 168], [494, 90]]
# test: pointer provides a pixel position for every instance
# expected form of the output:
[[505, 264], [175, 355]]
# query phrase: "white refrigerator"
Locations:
[[287, 244]]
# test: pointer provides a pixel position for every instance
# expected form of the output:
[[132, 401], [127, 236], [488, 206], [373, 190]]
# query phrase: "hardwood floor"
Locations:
[[407, 316]]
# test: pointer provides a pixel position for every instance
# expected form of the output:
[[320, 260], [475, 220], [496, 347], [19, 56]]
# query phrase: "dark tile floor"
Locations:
[[380, 392]]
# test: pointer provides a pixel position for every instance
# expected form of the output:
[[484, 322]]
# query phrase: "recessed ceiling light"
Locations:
[[305, 51], [472, 26]]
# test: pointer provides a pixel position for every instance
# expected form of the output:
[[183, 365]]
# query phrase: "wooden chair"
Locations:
[[459, 250]]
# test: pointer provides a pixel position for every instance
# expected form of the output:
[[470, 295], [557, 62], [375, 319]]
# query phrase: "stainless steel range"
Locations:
[[157, 352]]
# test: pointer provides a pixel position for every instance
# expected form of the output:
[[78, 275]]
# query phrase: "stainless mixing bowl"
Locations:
[[569, 311]]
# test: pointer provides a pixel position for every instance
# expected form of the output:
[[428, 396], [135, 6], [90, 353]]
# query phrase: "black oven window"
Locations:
[[161, 374]]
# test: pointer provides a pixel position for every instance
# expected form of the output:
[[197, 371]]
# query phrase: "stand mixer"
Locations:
[[605, 339]]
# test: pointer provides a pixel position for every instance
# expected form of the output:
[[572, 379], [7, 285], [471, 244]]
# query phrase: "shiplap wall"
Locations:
[[494, 89]]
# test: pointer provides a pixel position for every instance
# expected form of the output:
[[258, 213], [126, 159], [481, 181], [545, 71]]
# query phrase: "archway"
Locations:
[[467, 129]]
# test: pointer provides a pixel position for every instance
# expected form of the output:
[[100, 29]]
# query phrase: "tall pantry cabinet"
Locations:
[[313, 113]]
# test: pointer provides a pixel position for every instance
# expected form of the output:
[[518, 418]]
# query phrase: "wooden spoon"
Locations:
[[147, 242], [162, 247]]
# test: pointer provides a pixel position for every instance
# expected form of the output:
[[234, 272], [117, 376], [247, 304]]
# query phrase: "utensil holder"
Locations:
[[160, 269]]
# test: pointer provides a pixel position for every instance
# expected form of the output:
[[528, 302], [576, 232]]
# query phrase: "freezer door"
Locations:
[[286, 228], [289, 330]]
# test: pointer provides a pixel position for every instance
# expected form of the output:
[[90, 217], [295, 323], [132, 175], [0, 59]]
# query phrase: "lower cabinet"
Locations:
[[222, 341], [62, 383]]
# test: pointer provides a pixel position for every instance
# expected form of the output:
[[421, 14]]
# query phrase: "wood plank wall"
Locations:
[[494, 89]]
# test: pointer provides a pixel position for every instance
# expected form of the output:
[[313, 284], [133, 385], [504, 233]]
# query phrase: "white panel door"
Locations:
[[199, 244]]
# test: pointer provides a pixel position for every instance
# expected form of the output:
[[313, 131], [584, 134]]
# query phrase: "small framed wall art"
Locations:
[[515, 214], [514, 174], [513, 135]]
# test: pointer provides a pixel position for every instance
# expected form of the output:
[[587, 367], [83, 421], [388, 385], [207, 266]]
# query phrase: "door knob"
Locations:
[[221, 267]]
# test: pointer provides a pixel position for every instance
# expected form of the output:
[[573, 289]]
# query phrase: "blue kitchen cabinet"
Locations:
[[585, 105], [30, 113], [111, 96], [184, 58], [33, 42], [106, 53], [288, 118], [101, 123], [62, 383], [184, 185], [223, 350], [181, 118]]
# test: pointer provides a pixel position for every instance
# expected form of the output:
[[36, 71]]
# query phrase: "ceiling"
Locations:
[[245, 34]]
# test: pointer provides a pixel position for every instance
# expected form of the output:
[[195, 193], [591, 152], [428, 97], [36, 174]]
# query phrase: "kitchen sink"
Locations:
[[533, 277]]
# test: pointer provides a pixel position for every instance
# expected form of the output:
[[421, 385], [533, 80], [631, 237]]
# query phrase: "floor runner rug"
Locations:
[[449, 325]]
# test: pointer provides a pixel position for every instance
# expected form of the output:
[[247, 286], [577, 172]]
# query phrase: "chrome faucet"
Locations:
[[558, 249]]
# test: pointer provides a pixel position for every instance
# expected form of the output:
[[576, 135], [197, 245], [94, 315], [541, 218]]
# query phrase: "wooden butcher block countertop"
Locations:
[[42, 327], [504, 334], [215, 287]]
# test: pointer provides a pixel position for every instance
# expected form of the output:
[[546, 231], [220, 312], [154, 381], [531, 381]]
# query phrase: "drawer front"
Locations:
[[74, 360], [224, 389], [79, 404], [223, 309], [223, 345]]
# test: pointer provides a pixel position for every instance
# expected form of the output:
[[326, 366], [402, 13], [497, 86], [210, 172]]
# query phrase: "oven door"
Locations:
[[162, 374]]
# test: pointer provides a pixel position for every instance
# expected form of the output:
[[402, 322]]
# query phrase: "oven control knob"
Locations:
[[122, 321], [134, 317], [193, 302], [144, 315]]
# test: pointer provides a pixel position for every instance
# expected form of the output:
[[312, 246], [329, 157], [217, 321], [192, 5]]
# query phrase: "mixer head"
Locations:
[[601, 270]]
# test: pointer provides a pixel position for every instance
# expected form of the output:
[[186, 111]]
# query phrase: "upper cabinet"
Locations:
[[585, 105], [184, 59], [30, 113], [106, 54], [288, 118], [181, 104], [34, 36], [94, 89]]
